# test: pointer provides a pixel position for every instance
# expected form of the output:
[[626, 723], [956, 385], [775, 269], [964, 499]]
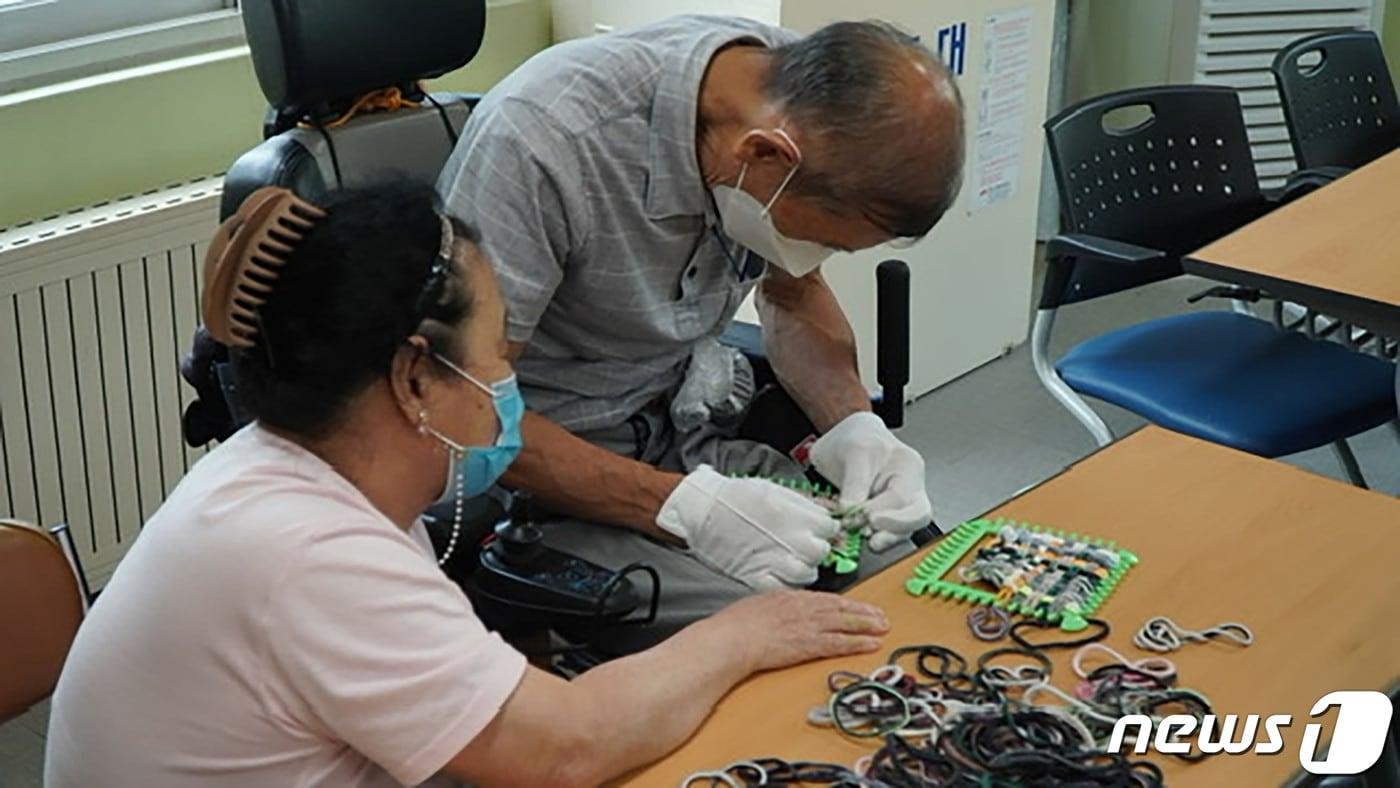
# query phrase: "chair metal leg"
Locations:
[[1040, 359], [64, 535], [1349, 463]]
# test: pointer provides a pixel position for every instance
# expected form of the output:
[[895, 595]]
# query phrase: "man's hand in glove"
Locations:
[[877, 471], [757, 532]]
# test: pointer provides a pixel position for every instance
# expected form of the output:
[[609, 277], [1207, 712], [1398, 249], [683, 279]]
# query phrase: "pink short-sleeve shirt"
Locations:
[[271, 627]]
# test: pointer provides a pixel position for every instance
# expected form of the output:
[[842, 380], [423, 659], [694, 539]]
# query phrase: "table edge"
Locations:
[[1379, 316]]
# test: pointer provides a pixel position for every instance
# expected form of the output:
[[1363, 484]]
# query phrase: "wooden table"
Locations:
[[1336, 250], [1309, 563]]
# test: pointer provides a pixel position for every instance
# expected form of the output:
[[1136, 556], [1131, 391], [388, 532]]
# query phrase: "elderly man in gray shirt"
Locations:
[[631, 190]]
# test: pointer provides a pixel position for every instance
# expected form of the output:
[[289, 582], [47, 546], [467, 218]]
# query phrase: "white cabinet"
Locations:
[[971, 278]]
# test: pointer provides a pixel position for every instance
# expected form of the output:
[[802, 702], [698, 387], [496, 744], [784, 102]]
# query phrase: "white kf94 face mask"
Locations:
[[748, 222]]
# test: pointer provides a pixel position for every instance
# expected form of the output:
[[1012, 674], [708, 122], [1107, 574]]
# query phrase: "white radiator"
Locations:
[[96, 309]]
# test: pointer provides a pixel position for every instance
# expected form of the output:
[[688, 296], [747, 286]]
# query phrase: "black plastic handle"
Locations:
[[892, 339]]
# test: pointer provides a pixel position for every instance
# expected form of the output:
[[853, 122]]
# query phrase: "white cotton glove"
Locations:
[[877, 471], [757, 532]]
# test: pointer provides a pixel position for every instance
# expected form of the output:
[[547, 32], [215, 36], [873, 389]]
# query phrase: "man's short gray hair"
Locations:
[[848, 88]]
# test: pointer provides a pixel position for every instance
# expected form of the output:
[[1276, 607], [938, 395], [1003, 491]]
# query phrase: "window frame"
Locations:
[[85, 56]]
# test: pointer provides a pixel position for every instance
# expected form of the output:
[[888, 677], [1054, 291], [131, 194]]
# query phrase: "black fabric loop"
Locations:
[[984, 661], [1100, 626]]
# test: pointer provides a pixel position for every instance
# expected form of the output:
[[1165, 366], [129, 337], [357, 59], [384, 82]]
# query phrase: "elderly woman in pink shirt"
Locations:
[[282, 621]]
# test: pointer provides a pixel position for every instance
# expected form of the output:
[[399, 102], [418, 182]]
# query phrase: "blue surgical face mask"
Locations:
[[473, 469]]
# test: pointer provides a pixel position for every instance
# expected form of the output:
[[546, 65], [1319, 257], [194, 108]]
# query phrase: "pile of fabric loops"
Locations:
[[943, 720]]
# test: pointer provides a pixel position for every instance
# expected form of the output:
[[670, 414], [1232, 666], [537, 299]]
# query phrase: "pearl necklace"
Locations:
[[456, 518]]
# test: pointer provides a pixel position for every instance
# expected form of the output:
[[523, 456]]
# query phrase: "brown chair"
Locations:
[[41, 606]]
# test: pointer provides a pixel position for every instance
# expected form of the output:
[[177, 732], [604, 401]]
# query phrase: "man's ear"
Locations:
[[767, 146], [408, 377]]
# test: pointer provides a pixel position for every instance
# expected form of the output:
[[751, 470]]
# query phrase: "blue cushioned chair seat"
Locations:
[[1235, 380]]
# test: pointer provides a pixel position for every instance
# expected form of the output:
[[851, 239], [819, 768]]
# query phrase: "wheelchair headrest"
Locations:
[[314, 54]]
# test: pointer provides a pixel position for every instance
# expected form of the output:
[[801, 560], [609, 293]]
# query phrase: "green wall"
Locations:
[[70, 150], [76, 148], [1129, 47]]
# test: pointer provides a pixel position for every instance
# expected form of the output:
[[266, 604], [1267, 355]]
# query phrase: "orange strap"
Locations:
[[385, 100]]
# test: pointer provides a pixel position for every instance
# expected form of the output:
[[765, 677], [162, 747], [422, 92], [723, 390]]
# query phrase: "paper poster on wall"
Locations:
[[1001, 106]]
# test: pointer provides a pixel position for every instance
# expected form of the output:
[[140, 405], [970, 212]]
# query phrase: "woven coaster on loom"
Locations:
[[1046, 574]]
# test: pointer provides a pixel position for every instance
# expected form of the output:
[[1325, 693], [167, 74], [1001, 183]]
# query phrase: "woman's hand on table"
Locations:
[[783, 628]]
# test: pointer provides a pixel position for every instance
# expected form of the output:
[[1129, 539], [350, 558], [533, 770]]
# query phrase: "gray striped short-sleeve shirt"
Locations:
[[579, 170]]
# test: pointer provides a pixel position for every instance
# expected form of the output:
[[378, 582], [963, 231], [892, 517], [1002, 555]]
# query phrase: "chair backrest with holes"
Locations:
[[1177, 175], [1338, 98], [41, 607], [313, 58]]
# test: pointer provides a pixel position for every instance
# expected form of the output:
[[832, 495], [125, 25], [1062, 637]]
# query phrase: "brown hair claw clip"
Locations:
[[246, 258]]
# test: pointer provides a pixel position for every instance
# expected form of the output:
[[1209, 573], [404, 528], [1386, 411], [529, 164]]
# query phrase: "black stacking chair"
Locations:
[[1338, 99], [1341, 109], [1137, 198]]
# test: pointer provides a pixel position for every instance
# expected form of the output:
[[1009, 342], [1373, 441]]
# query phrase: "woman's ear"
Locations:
[[408, 378]]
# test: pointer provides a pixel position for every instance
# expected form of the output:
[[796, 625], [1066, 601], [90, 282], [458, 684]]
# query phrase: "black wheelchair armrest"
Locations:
[[1092, 247], [214, 414]]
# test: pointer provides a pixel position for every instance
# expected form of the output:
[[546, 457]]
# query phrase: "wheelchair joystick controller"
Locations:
[[519, 542], [523, 581]]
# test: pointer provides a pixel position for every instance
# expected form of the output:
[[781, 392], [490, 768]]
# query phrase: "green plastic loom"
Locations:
[[930, 574]]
